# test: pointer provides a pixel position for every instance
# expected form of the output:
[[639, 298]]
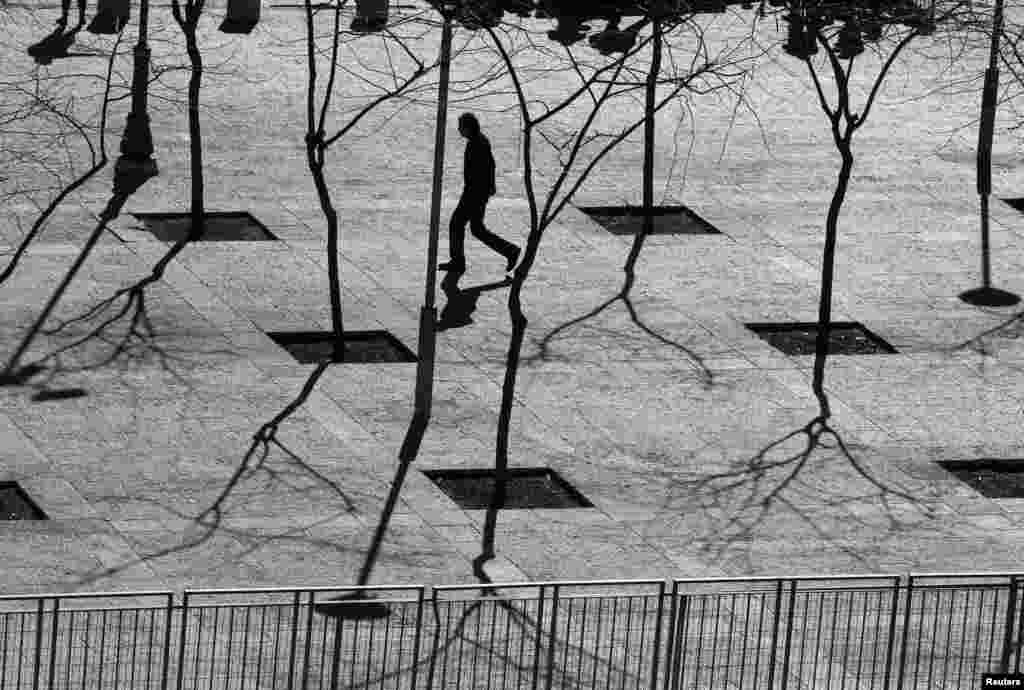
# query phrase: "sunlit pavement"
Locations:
[[639, 426]]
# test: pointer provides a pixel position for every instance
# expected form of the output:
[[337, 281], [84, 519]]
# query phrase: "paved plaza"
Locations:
[[639, 425]]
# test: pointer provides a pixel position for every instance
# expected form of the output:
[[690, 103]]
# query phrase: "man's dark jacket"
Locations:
[[478, 168]]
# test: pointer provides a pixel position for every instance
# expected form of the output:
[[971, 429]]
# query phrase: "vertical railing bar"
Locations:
[[583, 635], [554, 632], [906, 631], [615, 617], [760, 635], [70, 645], [831, 642], [732, 627], [789, 633], [680, 650], [355, 648], [1020, 637], [670, 638], [369, 651], [308, 640], [166, 658], [1004, 661], [490, 645], [817, 637], [921, 630], [860, 644], [292, 640], [746, 635], [103, 644], [846, 647], [245, 646], [213, 646], [462, 644], [991, 628], [262, 637], [54, 629], [117, 653], [978, 631], [135, 642], [949, 632], [294, 644], [182, 641], [643, 636], [37, 665], [384, 654], [3, 651], [891, 640], [476, 647], [540, 623], [625, 647], [85, 646], [570, 604], [420, 595], [714, 639], [700, 639], [775, 635], [230, 639], [935, 632], [508, 640], [597, 644], [963, 634], [199, 639]]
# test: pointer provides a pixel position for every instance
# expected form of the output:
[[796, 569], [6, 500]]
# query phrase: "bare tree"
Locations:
[[580, 148]]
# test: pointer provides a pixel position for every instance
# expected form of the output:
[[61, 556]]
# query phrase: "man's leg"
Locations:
[[476, 212], [457, 239]]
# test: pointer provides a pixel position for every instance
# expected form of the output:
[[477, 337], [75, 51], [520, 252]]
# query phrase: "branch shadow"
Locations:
[[1011, 327], [740, 500]]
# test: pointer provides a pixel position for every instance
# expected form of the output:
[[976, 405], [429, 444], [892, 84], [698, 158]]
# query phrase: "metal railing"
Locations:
[[858, 632]]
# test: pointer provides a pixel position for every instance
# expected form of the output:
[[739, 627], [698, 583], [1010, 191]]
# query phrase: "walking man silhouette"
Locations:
[[478, 187]]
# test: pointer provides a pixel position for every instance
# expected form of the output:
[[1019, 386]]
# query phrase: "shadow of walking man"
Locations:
[[461, 303]]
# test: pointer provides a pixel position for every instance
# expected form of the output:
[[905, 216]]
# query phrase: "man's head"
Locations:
[[469, 126]]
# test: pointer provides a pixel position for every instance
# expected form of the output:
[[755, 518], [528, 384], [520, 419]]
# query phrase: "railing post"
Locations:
[[892, 631], [416, 639], [182, 639], [309, 642], [53, 641], [670, 643], [167, 643], [906, 632], [551, 647], [1011, 606], [39, 645], [657, 634], [789, 632], [540, 634], [775, 634], [295, 641]]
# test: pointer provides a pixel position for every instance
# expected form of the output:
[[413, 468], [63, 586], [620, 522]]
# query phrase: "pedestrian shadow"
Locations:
[[461, 302]]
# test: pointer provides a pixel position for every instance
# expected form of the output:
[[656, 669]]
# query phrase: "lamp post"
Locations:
[[428, 313], [986, 295]]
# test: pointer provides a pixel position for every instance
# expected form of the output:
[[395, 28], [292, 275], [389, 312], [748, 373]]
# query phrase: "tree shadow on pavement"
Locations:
[[544, 346], [740, 501]]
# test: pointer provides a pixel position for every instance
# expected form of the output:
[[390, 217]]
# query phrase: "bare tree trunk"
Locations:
[[198, 225], [648, 181], [828, 262], [314, 157]]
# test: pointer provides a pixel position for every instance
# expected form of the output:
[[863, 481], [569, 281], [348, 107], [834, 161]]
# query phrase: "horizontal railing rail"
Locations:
[[864, 632]]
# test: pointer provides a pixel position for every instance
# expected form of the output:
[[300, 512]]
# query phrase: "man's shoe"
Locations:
[[512, 260], [452, 266]]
